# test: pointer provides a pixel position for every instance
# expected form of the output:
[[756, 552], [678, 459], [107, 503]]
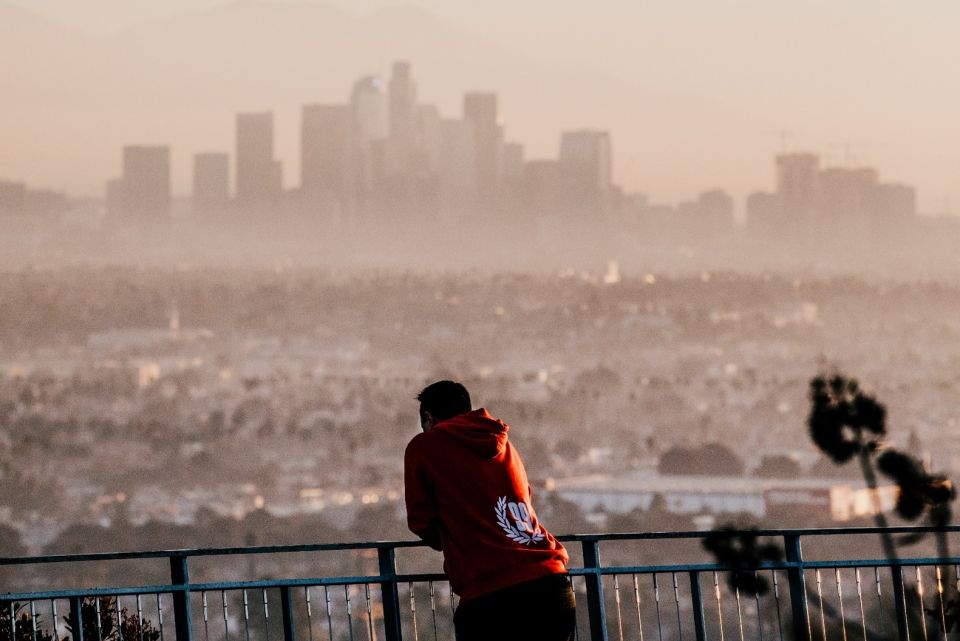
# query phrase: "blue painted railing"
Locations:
[[909, 599]]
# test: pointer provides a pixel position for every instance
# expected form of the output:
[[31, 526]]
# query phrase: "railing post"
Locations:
[[697, 602], [899, 602], [595, 605], [798, 596], [180, 576], [387, 558], [286, 609], [76, 618]]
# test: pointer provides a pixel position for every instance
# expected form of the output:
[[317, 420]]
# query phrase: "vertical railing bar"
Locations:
[[346, 592], [286, 611], [366, 592], [923, 618], [76, 619], [843, 616], [576, 627], [246, 616], [863, 617], [96, 607], [776, 598], [656, 596], [823, 621], [883, 625], [206, 622], [180, 575], [676, 599], [53, 613], [616, 595], [433, 609], [900, 602], [119, 609], [139, 618], [595, 602], [266, 616], [33, 621], [696, 601], [226, 623], [160, 615], [306, 597], [12, 612], [943, 614], [326, 596], [716, 591], [736, 591], [796, 581], [756, 599], [413, 612], [390, 594], [636, 598]]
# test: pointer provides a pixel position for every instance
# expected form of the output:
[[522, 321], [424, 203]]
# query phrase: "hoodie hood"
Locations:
[[478, 430]]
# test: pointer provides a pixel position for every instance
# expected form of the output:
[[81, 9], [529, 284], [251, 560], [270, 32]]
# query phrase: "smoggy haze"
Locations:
[[692, 93]]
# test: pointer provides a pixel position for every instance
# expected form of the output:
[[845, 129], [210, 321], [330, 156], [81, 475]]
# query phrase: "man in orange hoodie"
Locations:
[[467, 494]]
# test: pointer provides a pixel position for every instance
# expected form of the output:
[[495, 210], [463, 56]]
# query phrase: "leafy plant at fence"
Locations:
[[105, 626], [743, 552], [23, 621]]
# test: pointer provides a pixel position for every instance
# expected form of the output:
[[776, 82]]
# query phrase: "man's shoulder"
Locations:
[[419, 442]]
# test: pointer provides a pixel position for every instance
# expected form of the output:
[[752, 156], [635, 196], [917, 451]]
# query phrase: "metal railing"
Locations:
[[906, 600]]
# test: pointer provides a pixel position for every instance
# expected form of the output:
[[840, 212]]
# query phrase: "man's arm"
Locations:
[[422, 517]]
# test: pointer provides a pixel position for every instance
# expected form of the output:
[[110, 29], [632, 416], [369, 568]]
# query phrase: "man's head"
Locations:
[[442, 400]]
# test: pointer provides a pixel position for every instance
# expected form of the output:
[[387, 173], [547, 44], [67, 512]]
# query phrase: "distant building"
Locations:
[[798, 184], [480, 110], [457, 171], [13, 197], [403, 102], [259, 175], [327, 154], [143, 190], [763, 214], [711, 214], [211, 181], [368, 104], [586, 161], [846, 196]]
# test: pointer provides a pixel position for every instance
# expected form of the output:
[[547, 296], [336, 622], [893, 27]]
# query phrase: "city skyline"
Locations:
[[671, 140]]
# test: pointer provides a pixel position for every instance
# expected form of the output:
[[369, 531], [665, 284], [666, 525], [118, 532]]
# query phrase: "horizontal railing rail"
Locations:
[[613, 600]]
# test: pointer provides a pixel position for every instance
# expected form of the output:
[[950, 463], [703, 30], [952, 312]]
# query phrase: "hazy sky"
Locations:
[[857, 80]]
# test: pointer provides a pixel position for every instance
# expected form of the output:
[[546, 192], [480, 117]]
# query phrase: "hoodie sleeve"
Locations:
[[422, 517]]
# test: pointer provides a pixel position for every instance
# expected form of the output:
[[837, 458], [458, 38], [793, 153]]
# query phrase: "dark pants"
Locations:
[[540, 610]]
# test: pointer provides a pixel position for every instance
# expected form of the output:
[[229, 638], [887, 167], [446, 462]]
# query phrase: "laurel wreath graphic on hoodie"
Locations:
[[524, 532]]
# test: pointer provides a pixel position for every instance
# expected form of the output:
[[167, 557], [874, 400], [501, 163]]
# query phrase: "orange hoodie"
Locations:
[[467, 494]]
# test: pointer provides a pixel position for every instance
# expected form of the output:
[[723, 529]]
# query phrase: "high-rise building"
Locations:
[[368, 103], [797, 184], [259, 175], [211, 180], [328, 154], [845, 199], [763, 213], [403, 104], [144, 189], [480, 110], [592, 149], [511, 160], [13, 197], [456, 167]]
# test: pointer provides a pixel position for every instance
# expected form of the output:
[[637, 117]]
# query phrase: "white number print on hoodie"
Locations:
[[523, 530]]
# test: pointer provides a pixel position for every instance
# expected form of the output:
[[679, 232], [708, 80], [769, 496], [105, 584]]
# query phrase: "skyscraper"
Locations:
[[403, 104], [586, 160], [144, 189], [368, 102], [480, 110], [328, 154], [211, 180], [798, 184], [259, 175]]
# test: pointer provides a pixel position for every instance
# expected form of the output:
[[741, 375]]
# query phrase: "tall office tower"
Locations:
[[259, 176], [368, 102], [763, 214], [328, 155], [211, 181], [145, 182], [429, 132], [797, 184], [403, 104], [586, 161], [511, 160], [480, 110], [845, 198], [592, 149]]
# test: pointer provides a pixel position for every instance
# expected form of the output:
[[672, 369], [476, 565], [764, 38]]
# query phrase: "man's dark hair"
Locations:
[[444, 399]]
